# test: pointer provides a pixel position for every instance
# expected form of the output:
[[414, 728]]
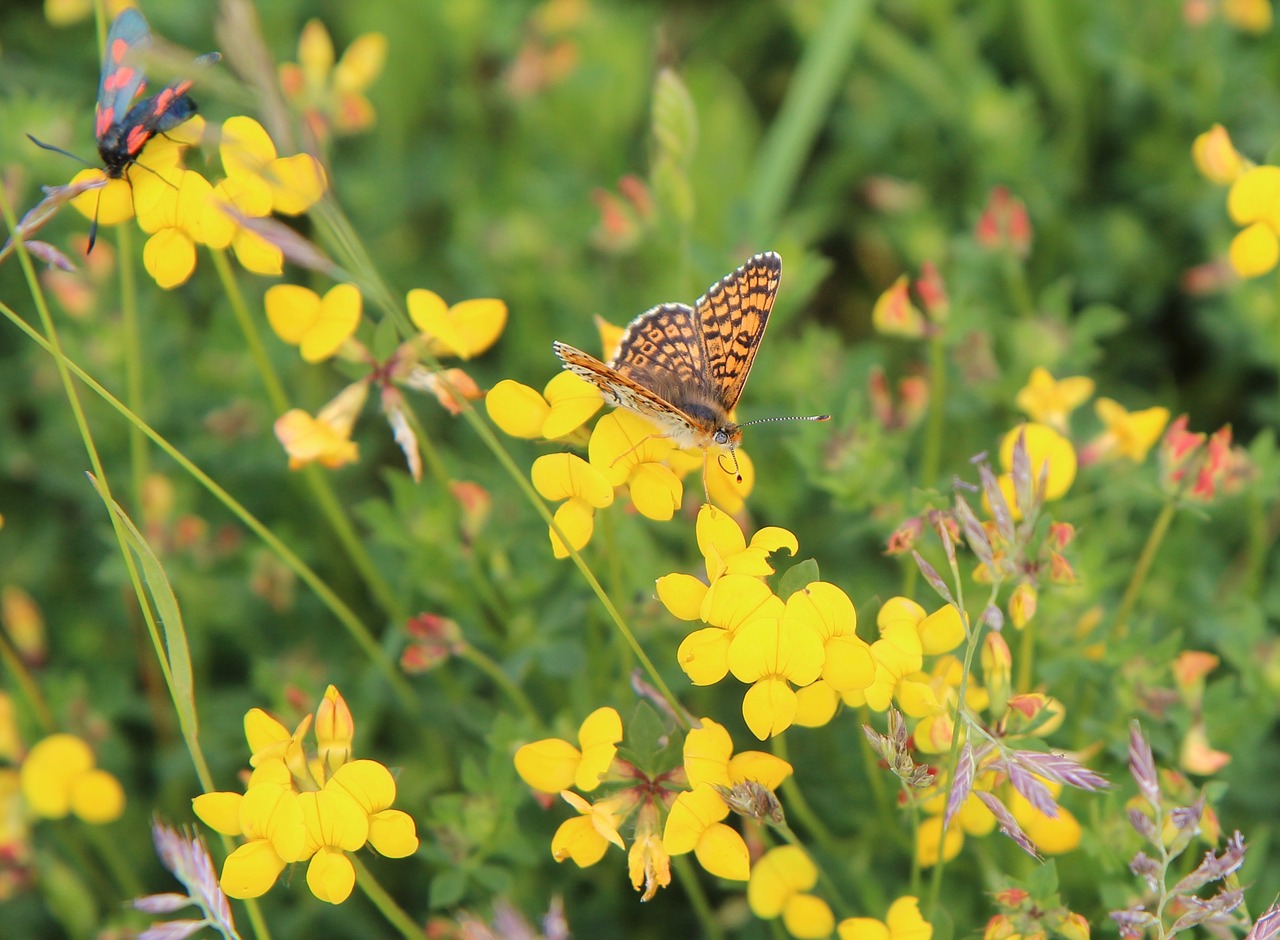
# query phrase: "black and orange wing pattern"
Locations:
[[734, 313]]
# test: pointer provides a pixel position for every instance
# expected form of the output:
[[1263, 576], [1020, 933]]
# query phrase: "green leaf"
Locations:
[[177, 652], [797, 577], [447, 888]]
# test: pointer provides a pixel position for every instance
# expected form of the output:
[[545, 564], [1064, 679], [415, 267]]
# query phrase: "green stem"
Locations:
[[931, 459], [345, 615], [788, 141], [1143, 567], [490, 668], [897, 55], [702, 909], [395, 915], [139, 461], [797, 806], [30, 688], [828, 884], [318, 482]]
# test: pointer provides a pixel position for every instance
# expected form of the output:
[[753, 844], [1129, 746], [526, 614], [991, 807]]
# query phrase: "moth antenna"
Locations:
[[93, 226], [66, 153]]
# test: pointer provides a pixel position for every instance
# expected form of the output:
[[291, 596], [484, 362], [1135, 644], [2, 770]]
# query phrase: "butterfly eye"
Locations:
[[721, 436]]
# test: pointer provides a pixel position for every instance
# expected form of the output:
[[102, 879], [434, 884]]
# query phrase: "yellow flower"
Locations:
[[317, 326], [326, 438], [59, 778], [1254, 202], [464, 330], [1250, 16], [584, 488], [780, 882], [1216, 158], [553, 764], [902, 922], [895, 315], [694, 825], [332, 99], [1130, 434], [586, 837], [1050, 400], [1048, 453]]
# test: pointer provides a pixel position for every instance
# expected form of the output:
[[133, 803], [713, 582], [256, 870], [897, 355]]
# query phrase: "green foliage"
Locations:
[[859, 141]]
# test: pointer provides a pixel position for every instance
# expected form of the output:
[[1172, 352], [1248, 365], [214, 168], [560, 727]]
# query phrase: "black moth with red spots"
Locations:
[[122, 127]]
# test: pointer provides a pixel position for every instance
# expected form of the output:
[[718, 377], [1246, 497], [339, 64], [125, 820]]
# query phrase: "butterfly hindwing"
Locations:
[[662, 350], [734, 313]]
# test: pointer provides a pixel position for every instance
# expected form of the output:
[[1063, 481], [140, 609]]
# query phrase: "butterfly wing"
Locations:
[[662, 350], [121, 78], [618, 388], [733, 314]]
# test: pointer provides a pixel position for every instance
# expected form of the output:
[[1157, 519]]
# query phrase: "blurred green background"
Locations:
[[858, 140]]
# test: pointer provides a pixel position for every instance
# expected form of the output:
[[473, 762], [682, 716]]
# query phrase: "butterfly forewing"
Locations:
[[618, 389], [734, 314]]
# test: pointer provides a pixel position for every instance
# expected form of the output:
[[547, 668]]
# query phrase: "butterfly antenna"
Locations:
[[786, 418], [66, 153]]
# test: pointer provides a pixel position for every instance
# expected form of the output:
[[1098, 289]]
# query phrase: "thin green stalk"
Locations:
[[1143, 567], [395, 915], [828, 884], [319, 484], [884, 807], [702, 909], [790, 138], [345, 615], [108, 849], [490, 668], [931, 459], [139, 462], [919, 70], [913, 815], [797, 806], [30, 688]]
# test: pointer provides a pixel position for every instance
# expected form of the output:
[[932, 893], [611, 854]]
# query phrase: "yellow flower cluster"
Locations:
[[626, 454], [59, 777], [677, 811], [180, 209], [802, 655], [302, 806], [323, 327]]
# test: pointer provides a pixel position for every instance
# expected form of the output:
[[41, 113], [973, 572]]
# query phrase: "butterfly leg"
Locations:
[[634, 447]]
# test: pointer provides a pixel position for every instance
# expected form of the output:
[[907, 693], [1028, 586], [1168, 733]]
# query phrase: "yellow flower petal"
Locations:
[[549, 765], [682, 595], [169, 256], [808, 917], [110, 205], [1045, 448], [245, 147], [656, 492], [723, 853], [393, 834], [517, 409], [769, 707], [296, 183], [338, 318], [292, 310], [576, 519], [97, 797], [466, 329], [599, 736], [1255, 250], [251, 870], [331, 876], [561, 476], [573, 401]]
